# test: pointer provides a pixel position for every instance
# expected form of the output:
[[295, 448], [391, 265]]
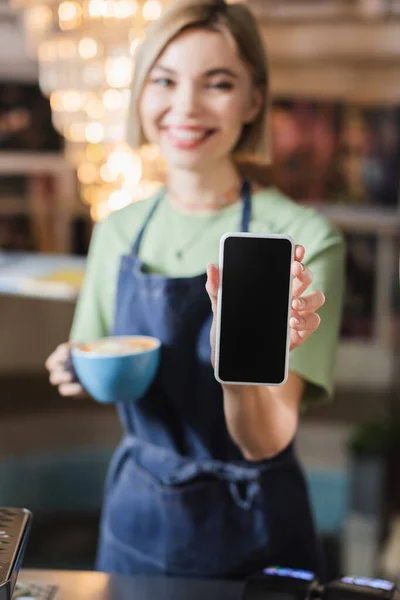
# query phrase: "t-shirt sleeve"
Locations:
[[314, 360], [90, 318]]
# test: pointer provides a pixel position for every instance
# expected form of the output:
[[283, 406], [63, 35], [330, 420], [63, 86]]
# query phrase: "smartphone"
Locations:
[[254, 307]]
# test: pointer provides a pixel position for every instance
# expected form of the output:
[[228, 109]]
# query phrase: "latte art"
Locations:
[[119, 346]]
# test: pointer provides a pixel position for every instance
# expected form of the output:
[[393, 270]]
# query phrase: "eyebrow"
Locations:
[[210, 73]]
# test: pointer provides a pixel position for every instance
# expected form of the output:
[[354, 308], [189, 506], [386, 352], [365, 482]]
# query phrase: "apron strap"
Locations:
[[245, 222], [246, 206], [138, 241]]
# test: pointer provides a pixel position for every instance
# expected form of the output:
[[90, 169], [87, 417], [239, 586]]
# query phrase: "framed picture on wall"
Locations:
[[304, 140], [334, 153], [367, 158]]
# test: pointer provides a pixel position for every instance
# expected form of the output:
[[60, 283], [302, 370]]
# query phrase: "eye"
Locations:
[[221, 85], [163, 81]]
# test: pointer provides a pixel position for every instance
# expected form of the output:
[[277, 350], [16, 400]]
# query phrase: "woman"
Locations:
[[205, 481]]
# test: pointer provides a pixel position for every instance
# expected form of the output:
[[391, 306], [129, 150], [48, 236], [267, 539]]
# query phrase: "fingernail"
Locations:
[[295, 321], [302, 266], [297, 304]]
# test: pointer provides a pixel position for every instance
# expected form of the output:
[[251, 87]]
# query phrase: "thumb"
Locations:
[[212, 285]]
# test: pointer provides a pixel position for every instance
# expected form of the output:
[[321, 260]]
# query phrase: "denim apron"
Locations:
[[180, 498]]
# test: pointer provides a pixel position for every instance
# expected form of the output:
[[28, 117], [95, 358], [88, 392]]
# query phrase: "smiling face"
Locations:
[[196, 100]]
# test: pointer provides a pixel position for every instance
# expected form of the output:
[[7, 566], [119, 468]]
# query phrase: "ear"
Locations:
[[254, 107]]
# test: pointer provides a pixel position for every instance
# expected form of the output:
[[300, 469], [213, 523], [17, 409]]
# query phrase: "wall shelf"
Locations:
[[51, 197], [351, 60]]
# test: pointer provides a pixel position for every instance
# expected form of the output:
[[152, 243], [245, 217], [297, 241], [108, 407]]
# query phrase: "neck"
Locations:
[[206, 191]]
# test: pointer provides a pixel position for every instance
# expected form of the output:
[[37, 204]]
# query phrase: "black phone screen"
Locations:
[[254, 310]]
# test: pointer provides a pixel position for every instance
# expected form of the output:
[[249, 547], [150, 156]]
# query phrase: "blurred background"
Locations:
[[65, 71]]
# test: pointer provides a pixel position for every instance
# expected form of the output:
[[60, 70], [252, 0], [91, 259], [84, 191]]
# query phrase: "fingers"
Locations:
[[305, 320], [302, 278], [212, 285], [59, 357], [299, 253], [298, 337], [71, 389], [309, 303], [61, 376], [302, 328], [61, 373], [309, 323]]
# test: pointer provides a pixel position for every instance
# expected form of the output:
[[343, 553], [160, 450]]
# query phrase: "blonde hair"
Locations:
[[214, 15]]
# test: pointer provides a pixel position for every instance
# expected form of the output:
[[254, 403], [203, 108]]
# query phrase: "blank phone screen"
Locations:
[[256, 276]]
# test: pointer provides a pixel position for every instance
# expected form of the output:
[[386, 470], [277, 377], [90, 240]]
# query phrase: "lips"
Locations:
[[187, 137]]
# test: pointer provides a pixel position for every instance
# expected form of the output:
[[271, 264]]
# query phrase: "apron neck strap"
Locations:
[[138, 241], [245, 221], [246, 206]]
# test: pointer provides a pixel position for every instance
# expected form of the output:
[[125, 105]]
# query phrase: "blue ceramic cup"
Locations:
[[117, 369]]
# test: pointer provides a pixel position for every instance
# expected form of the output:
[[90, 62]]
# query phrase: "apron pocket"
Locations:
[[198, 524], [208, 518]]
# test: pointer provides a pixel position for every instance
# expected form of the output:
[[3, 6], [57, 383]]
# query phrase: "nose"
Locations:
[[186, 99]]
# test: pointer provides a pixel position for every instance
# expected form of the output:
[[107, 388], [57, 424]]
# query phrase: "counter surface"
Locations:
[[48, 276], [82, 585]]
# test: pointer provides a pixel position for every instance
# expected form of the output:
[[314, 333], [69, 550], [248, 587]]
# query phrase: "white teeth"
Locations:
[[187, 134]]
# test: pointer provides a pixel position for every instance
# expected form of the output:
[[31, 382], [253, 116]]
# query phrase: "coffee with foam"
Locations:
[[123, 345]]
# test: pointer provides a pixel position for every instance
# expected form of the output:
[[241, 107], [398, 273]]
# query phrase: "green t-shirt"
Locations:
[[171, 232]]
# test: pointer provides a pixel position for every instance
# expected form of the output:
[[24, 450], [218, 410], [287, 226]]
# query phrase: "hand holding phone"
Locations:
[[254, 307]]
